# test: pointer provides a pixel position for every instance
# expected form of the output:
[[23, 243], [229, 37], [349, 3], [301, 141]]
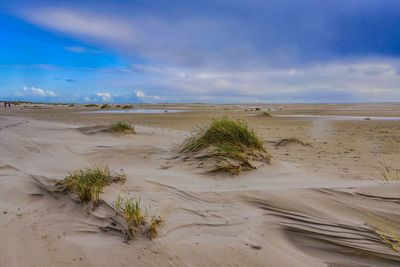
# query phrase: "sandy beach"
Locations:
[[322, 204]]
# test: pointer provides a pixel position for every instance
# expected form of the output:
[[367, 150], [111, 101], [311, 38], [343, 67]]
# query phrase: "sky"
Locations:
[[214, 51]]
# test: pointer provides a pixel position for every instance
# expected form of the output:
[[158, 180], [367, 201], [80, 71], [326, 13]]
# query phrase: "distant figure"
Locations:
[[5, 104], [9, 104]]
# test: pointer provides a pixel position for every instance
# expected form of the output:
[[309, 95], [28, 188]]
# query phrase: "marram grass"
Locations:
[[131, 210], [153, 227], [232, 144], [89, 183], [388, 234], [389, 174], [390, 237], [122, 128], [135, 218], [91, 105], [105, 106]]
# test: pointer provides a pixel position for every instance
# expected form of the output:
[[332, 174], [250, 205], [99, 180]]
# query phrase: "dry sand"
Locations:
[[314, 206]]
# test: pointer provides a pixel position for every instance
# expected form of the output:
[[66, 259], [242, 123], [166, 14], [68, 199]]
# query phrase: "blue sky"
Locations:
[[200, 51]]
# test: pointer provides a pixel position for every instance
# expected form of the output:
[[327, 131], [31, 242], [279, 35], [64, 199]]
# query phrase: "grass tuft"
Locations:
[[231, 143], [91, 105], [105, 106], [291, 140], [132, 212], [387, 233], [153, 227], [89, 183], [127, 107], [265, 114], [389, 237], [389, 174], [122, 128]]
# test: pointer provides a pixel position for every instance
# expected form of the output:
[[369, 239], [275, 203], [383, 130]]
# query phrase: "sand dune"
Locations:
[[279, 215]]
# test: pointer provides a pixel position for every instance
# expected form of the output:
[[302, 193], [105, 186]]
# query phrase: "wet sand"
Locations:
[[315, 205]]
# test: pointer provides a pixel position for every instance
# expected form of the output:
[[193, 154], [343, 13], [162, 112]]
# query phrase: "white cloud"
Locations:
[[176, 41], [360, 79], [34, 91], [221, 41], [141, 94], [79, 23], [105, 96]]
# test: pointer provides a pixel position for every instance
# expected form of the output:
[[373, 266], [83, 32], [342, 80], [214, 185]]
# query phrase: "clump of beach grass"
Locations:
[[89, 183], [387, 233], [122, 128], [265, 114], [291, 140], [135, 217], [131, 210], [389, 237], [105, 106], [231, 144], [389, 174], [91, 105], [153, 227], [127, 107]]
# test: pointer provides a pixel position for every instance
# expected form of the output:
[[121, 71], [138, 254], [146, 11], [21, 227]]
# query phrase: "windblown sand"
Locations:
[[314, 205]]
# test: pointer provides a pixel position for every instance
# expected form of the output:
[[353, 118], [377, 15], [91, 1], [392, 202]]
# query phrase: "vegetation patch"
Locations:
[[389, 174], [127, 107], [291, 140], [126, 216], [390, 237], [136, 220], [153, 227], [91, 105], [266, 114], [122, 128], [387, 233], [229, 145], [105, 106], [87, 184]]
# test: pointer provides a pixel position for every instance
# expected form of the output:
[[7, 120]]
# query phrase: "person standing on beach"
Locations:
[[9, 104], [5, 104]]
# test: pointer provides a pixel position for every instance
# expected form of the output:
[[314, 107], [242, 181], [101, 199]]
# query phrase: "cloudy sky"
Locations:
[[200, 51]]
